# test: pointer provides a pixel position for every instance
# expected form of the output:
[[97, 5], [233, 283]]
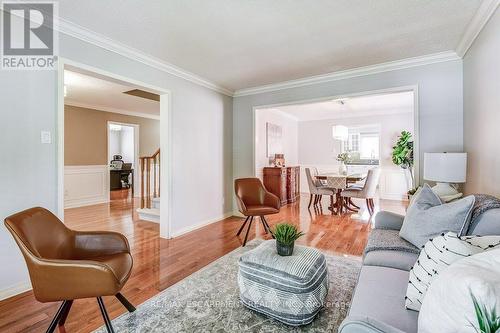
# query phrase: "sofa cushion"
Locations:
[[380, 295], [427, 217], [488, 223], [388, 220], [437, 255], [388, 258], [449, 304], [380, 239]]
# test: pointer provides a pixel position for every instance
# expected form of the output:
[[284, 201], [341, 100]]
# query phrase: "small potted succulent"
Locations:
[[286, 234]]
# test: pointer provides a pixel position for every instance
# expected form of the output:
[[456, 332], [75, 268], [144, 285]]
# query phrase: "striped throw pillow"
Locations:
[[436, 255]]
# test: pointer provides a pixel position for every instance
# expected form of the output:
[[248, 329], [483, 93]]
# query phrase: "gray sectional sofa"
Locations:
[[378, 302]]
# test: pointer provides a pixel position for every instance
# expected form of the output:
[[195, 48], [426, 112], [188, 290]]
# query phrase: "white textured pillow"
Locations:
[[448, 305], [437, 255]]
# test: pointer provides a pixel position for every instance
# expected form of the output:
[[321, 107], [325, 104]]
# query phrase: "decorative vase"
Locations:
[[342, 168], [284, 249]]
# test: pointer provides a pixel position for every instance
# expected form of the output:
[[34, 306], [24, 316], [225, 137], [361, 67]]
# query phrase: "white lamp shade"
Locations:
[[340, 132], [445, 167]]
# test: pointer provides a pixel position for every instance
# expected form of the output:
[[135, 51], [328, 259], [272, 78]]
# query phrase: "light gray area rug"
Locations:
[[208, 301]]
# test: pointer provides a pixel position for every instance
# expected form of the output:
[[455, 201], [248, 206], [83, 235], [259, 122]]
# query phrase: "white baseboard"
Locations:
[[394, 197], [201, 225], [238, 214], [85, 185], [15, 290]]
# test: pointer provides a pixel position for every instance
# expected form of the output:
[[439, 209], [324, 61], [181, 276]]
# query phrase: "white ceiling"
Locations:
[[96, 93], [363, 106], [240, 43]]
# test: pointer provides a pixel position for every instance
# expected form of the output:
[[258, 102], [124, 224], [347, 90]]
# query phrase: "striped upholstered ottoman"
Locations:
[[289, 289]]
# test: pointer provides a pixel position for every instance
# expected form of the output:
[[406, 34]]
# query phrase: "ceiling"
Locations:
[[240, 44], [363, 106], [105, 95]]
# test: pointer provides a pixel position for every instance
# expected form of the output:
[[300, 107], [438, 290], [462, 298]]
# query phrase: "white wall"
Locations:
[[127, 144], [201, 155], [122, 143], [482, 110], [440, 107], [316, 145], [115, 145], [289, 126], [317, 148]]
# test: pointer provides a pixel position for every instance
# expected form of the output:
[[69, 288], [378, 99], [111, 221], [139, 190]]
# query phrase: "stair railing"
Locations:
[[150, 178]]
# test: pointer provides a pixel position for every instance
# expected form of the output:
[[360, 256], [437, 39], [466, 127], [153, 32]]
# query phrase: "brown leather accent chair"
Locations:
[[254, 200], [65, 264]]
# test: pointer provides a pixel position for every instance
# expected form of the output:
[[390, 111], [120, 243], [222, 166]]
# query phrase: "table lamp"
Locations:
[[445, 169]]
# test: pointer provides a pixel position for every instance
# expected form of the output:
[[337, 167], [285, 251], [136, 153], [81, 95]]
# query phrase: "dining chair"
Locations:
[[367, 191], [316, 190], [65, 265], [253, 199]]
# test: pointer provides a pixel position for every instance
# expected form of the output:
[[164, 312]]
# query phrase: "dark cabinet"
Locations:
[[283, 182]]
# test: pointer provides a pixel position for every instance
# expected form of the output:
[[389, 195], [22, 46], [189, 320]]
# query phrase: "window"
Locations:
[[353, 142], [369, 147], [363, 143]]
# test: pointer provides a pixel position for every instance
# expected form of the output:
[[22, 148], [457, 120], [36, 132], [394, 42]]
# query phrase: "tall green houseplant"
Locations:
[[402, 154]]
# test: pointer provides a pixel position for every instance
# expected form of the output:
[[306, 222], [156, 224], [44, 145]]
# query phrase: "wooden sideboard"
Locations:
[[283, 182]]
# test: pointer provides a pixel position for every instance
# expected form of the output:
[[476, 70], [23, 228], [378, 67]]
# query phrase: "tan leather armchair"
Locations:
[[65, 264], [254, 200]]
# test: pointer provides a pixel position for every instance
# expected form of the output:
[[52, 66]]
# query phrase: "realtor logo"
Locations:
[[29, 39]]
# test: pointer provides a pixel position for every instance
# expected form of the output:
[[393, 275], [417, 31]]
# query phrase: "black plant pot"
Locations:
[[283, 249]]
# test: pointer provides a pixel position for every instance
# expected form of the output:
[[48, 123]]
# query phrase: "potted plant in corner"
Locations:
[[286, 234], [402, 155]]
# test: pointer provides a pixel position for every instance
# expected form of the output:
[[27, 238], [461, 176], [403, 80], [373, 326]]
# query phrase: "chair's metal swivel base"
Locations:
[[63, 311], [249, 219]]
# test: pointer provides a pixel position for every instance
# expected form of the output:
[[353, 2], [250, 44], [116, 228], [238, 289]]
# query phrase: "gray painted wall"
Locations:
[[440, 107], [482, 110], [202, 145]]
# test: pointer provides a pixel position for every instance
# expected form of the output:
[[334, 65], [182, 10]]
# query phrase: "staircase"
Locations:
[[150, 188]]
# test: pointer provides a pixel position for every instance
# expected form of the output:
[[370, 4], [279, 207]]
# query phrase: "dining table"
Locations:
[[340, 182]]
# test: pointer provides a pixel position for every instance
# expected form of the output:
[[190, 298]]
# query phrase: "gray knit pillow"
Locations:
[[428, 217]]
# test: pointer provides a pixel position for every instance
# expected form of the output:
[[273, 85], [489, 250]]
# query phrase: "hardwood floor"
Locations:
[[159, 263]]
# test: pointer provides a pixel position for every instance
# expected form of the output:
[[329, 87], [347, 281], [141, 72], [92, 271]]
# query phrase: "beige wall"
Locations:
[[482, 110], [85, 135]]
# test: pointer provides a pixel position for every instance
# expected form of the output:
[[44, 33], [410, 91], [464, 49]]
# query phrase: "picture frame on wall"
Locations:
[[274, 139]]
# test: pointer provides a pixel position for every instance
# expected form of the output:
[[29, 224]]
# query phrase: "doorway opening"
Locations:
[[109, 126], [123, 154], [340, 135]]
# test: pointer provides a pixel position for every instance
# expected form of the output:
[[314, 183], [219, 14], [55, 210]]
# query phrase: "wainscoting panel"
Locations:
[[85, 185], [393, 184]]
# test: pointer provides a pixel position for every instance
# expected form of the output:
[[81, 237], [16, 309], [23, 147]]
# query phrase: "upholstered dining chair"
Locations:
[[317, 190], [254, 200], [366, 191], [65, 265]]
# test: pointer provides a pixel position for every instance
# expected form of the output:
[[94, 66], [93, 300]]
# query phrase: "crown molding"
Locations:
[[481, 17], [350, 73], [110, 109], [71, 29]]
